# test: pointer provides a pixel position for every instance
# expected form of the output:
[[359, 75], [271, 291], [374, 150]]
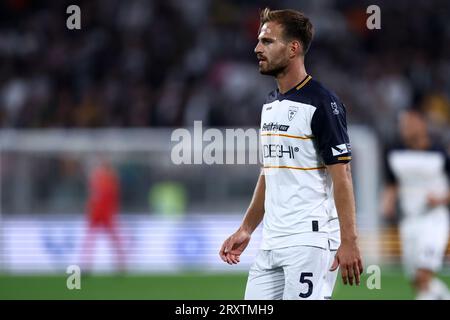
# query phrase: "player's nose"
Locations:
[[258, 48]]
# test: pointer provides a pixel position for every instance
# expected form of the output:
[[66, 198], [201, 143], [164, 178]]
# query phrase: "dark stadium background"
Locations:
[[139, 69]]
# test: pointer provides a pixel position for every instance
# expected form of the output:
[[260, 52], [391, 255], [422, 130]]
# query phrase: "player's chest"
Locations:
[[416, 167], [287, 117]]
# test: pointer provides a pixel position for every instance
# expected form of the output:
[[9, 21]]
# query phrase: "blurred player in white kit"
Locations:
[[417, 174]]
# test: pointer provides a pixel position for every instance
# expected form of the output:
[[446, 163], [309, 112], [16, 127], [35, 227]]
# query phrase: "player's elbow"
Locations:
[[341, 173]]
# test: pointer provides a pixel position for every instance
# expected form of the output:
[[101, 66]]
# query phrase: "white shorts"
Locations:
[[292, 273], [424, 240], [330, 277], [334, 241]]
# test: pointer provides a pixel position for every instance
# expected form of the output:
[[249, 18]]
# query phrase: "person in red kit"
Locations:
[[102, 210]]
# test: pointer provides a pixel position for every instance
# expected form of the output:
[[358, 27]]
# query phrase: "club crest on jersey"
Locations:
[[292, 112], [335, 108]]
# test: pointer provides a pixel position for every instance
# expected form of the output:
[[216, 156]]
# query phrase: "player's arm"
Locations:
[[255, 211], [434, 201], [348, 255], [234, 245], [389, 200], [329, 127]]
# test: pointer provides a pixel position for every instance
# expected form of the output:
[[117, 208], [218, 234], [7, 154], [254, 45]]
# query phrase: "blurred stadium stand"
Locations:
[[165, 63], [138, 69]]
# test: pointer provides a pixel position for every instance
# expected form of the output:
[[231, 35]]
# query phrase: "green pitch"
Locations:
[[179, 286]]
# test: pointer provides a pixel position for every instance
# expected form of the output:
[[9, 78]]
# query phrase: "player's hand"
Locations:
[[434, 201], [349, 258], [233, 246]]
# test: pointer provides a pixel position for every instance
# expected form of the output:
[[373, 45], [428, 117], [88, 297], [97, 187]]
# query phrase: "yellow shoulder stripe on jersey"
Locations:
[[287, 136], [302, 84], [296, 168], [344, 158]]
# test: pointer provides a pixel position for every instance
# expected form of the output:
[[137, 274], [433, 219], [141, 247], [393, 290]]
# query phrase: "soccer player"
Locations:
[[417, 174], [102, 207], [304, 191]]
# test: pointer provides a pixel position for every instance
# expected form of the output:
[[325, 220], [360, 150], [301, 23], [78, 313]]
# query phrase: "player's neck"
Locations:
[[423, 143], [291, 76]]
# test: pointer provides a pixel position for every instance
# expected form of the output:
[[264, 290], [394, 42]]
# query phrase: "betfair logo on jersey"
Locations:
[[339, 149], [274, 127], [279, 151]]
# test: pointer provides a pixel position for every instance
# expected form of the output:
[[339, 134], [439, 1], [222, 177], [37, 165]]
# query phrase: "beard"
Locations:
[[273, 70]]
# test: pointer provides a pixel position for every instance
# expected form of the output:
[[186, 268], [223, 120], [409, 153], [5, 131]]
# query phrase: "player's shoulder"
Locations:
[[314, 93], [317, 89], [439, 148], [321, 97]]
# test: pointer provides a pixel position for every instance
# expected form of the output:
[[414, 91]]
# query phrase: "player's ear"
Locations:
[[295, 48]]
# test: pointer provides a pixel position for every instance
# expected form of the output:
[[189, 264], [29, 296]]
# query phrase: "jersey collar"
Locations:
[[296, 87]]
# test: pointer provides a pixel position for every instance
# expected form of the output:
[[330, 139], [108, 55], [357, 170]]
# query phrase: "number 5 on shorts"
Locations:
[[303, 279]]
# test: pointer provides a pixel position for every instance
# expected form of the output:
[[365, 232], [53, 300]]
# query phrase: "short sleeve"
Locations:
[[329, 127]]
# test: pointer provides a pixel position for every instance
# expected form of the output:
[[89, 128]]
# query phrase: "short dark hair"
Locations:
[[295, 25]]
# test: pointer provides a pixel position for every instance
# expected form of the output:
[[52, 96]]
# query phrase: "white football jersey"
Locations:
[[301, 131], [418, 173]]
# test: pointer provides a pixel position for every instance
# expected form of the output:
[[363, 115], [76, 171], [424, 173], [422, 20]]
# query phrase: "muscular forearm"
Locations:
[[347, 256], [345, 202], [255, 211]]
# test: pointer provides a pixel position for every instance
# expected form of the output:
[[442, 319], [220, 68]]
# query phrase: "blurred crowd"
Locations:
[[141, 63]]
